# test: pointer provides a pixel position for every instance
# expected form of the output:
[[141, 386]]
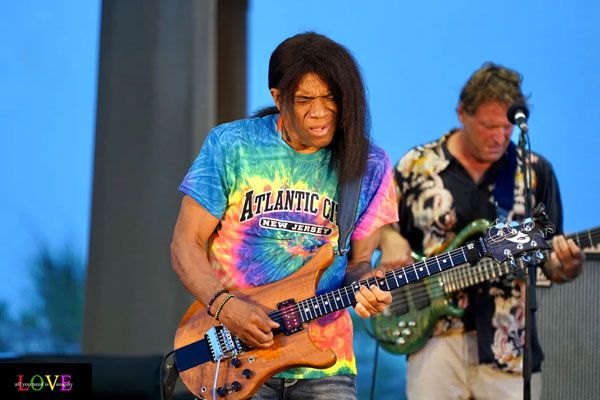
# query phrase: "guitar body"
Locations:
[[406, 324], [210, 358], [290, 351], [407, 332]]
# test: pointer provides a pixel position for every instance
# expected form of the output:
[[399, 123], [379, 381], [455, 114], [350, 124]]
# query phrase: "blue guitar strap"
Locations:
[[504, 193], [346, 216]]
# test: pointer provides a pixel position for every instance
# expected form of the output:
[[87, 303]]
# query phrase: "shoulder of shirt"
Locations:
[[428, 149], [232, 132]]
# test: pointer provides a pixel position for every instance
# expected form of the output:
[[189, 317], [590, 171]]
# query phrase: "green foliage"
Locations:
[[53, 321], [60, 284]]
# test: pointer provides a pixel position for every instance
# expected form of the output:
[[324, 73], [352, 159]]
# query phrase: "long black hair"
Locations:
[[314, 53]]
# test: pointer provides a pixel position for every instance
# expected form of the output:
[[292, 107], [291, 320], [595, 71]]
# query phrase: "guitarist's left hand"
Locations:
[[371, 300], [566, 261]]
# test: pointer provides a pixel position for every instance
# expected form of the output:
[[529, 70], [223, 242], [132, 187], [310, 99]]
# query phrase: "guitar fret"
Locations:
[[404, 274], [314, 307], [337, 297], [317, 307], [438, 263], [306, 309], [329, 301], [348, 296], [395, 278], [452, 278], [415, 269], [464, 275], [427, 268]]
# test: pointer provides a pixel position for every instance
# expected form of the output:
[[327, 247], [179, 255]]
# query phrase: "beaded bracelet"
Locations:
[[210, 303], [231, 296]]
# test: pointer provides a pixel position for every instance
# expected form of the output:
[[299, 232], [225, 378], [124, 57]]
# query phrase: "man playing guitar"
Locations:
[[470, 173], [262, 197]]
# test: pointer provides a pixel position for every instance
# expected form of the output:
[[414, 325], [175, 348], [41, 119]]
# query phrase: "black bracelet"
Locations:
[[210, 303]]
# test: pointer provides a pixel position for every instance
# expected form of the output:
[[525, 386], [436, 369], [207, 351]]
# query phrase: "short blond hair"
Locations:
[[491, 82]]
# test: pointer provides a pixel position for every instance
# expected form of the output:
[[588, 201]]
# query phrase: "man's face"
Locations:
[[487, 132], [311, 123]]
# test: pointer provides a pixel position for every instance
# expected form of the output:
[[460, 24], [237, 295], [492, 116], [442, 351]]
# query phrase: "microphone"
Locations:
[[517, 114]]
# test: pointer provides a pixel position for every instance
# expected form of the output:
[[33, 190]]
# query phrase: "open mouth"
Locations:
[[320, 130]]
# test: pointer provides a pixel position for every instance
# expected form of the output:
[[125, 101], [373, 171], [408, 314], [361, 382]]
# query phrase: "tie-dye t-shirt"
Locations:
[[276, 208]]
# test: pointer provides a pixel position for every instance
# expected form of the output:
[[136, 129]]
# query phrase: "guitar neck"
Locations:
[[586, 239], [467, 276], [318, 306]]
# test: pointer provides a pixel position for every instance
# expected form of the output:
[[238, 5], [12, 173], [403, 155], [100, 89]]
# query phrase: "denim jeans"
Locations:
[[331, 387]]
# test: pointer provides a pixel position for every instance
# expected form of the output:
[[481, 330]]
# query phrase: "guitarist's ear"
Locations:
[[276, 97]]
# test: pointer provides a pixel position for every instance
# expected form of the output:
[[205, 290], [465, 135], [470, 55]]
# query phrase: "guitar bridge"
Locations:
[[223, 344]]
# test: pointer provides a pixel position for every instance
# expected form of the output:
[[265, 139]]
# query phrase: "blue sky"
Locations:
[[415, 57], [48, 73]]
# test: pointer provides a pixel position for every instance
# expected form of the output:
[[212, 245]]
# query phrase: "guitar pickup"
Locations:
[[223, 344], [292, 322]]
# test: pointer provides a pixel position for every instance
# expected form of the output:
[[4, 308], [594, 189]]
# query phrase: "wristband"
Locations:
[[210, 303], [231, 296]]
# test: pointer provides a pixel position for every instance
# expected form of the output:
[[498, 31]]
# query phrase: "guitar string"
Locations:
[[434, 289], [347, 291]]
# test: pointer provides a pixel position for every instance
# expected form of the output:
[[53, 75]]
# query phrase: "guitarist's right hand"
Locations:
[[249, 323]]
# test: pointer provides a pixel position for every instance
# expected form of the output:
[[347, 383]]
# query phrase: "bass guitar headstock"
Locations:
[[506, 241]]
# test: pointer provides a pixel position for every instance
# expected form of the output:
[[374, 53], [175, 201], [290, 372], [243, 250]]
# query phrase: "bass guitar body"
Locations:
[[406, 324]]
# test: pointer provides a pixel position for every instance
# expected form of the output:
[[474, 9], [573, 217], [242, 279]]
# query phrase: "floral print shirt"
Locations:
[[437, 199]]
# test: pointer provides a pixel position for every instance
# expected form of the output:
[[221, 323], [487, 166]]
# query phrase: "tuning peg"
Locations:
[[526, 258], [539, 255], [512, 262], [513, 224]]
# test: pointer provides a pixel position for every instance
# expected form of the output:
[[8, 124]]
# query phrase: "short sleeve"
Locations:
[[378, 196], [206, 179]]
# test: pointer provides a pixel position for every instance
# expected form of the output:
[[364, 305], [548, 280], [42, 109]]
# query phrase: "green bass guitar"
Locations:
[[408, 322]]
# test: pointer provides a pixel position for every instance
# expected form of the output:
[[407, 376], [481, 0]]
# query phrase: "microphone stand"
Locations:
[[530, 295]]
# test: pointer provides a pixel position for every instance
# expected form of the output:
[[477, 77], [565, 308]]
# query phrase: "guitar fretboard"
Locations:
[[487, 269], [318, 306]]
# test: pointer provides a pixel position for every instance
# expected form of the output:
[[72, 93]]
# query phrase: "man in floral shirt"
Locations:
[[473, 172]]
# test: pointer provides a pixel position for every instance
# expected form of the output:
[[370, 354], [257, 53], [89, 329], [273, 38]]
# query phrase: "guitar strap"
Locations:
[[347, 207], [504, 193]]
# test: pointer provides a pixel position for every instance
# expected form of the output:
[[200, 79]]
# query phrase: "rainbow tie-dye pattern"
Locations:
[[277, 207]]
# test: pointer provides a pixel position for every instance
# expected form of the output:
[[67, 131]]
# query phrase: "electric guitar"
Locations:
[[213, 362], [408, 322]]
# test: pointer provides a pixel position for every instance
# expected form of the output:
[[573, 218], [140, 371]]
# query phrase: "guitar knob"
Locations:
[[401, 324], [412, 323], [406, 332], [236, 362], [222, 392], [247, 373], [236, 386], [400, 341]]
